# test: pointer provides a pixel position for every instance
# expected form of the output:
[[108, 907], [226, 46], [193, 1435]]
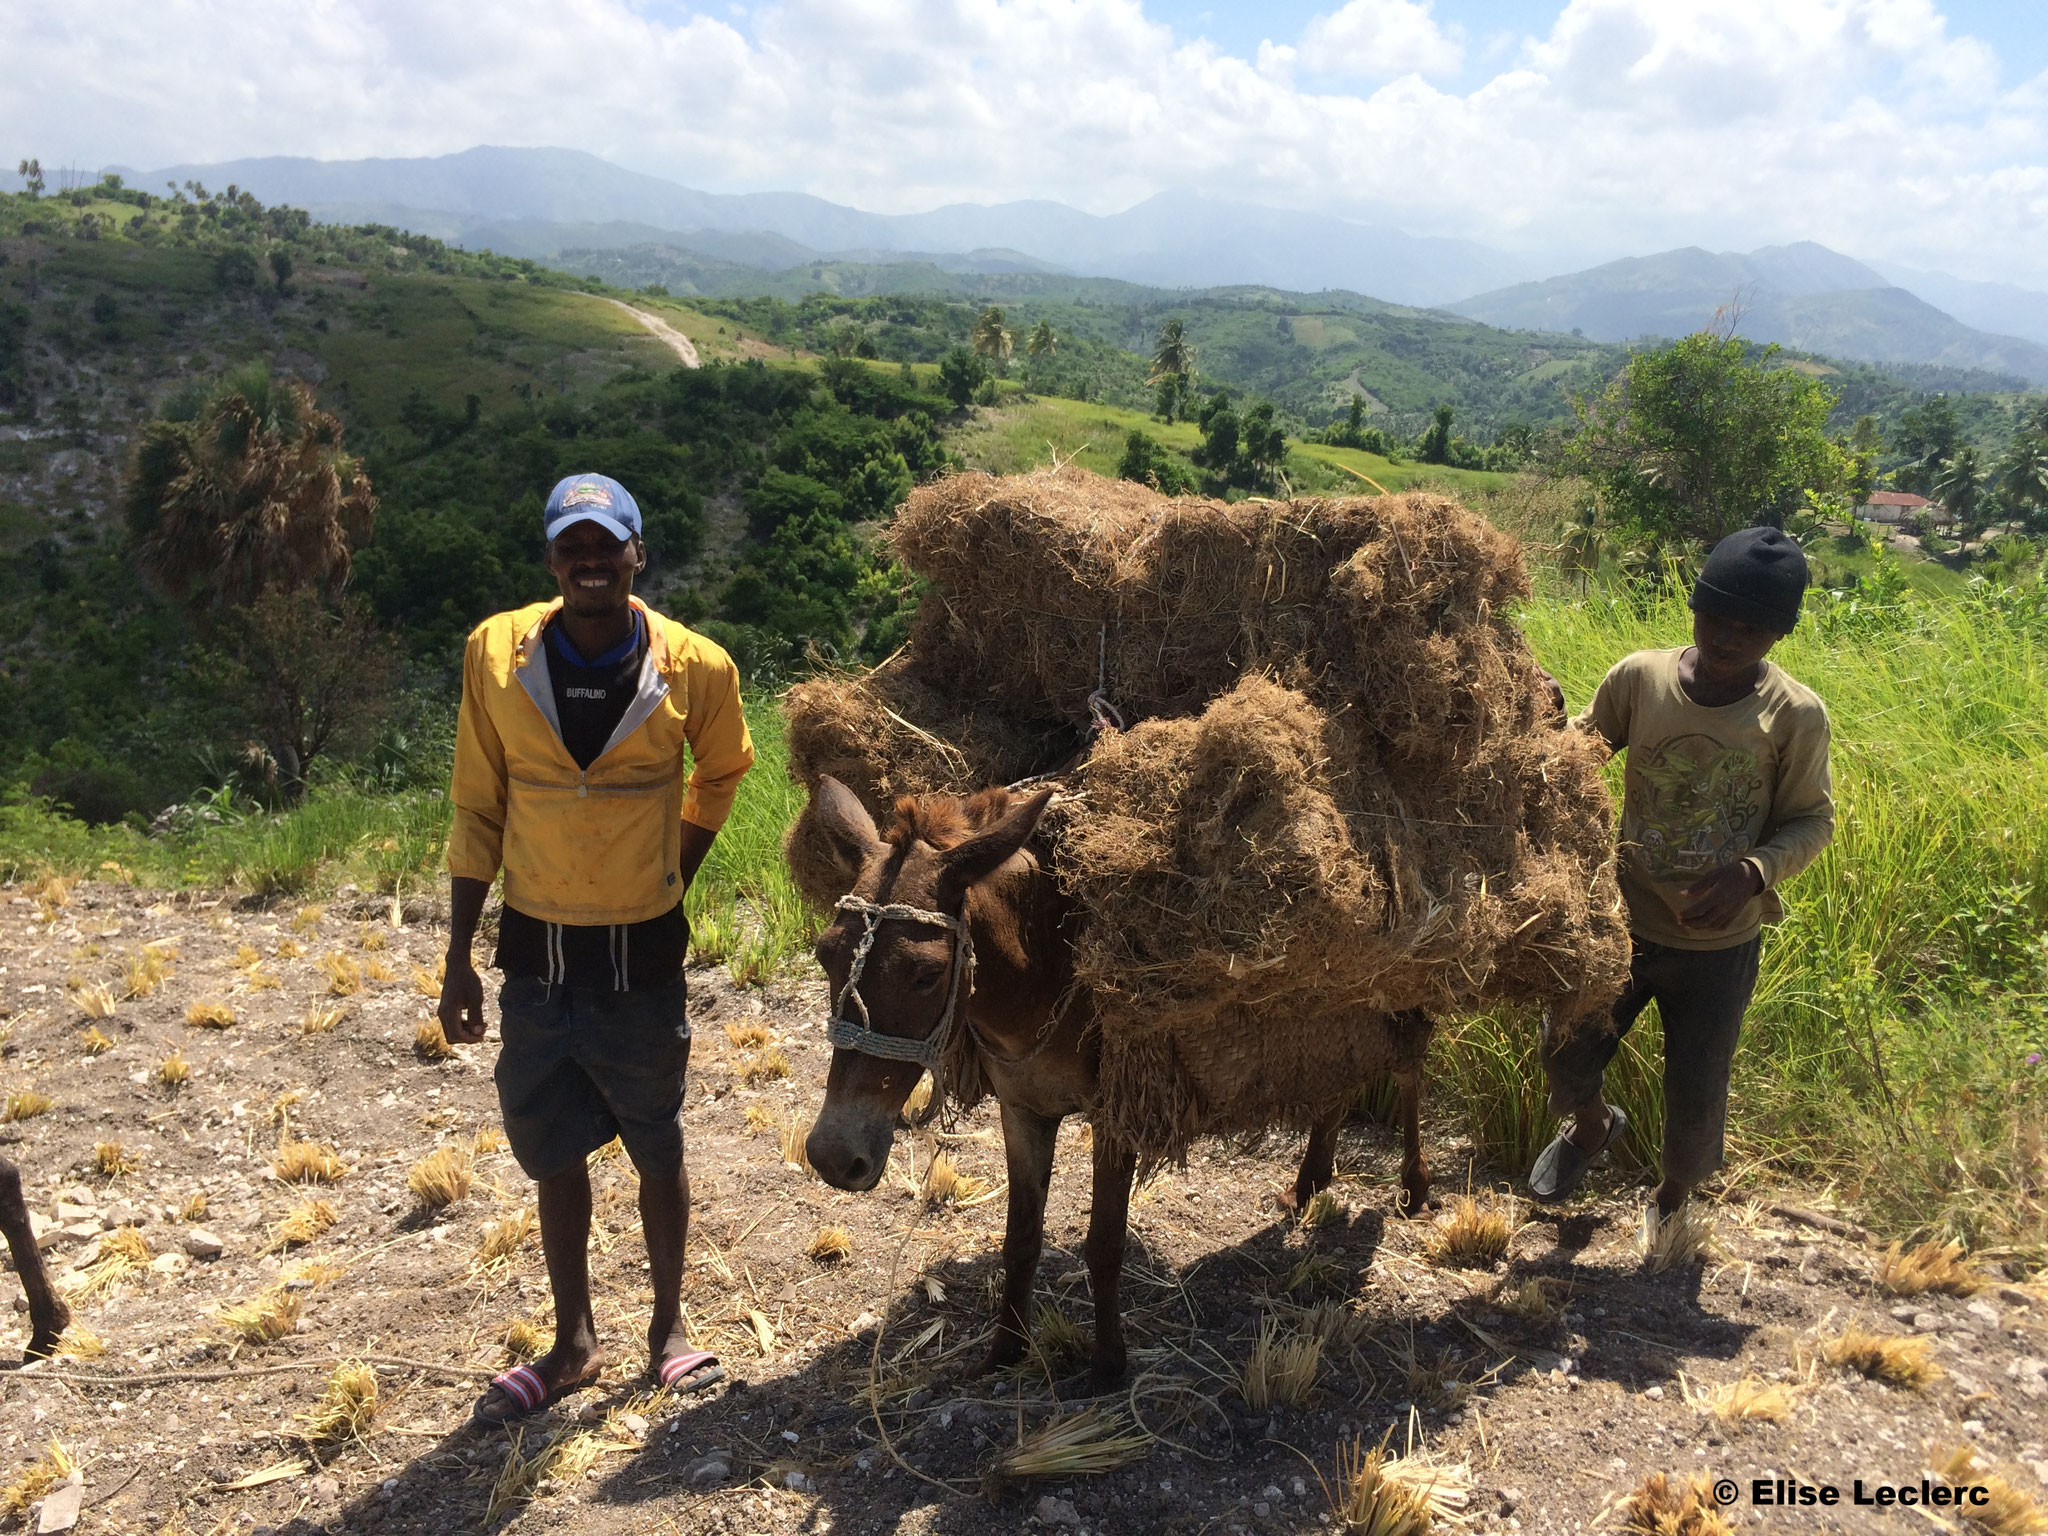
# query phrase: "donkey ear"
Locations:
[[849, 829], [980, 856]]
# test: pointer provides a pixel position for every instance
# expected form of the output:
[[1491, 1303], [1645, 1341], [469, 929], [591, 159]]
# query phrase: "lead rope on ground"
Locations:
[[875, 1371]]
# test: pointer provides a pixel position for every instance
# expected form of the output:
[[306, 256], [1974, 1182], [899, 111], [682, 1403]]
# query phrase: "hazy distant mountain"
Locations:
[[1998, 307], [540, 201], [1803, 296]]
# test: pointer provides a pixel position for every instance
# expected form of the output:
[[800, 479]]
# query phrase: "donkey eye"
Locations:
[[926, 977]]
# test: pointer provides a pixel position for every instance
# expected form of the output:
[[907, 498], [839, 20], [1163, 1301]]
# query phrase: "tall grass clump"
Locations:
[[1888, 1044]]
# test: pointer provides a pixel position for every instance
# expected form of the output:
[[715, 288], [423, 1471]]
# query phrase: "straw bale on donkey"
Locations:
[[1338, 799]]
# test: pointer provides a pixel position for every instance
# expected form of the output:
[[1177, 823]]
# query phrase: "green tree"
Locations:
[[1217, 451], [1860, 457], [1928, 435], [2023, 477], [991, 336], [31, 174], [1434, 446], [1041, 342], [235, 269], [246, 490], [1264, 445], [1148, 463], [1173, 369], [280, 267], [1960, 488], [1695, 440], [961, 373]]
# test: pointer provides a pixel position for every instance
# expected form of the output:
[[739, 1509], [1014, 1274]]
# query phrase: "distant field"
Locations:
[[1020, 434]]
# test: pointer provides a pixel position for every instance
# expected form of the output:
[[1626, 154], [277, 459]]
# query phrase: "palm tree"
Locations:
[[1041, 342], [1584, 547], [2024, 474], [991, 339], [247, 491], [1174, 354], [1960, 488]]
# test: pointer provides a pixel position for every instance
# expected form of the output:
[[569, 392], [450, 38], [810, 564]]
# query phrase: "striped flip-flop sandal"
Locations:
[[690, 1372], [526, 1394]]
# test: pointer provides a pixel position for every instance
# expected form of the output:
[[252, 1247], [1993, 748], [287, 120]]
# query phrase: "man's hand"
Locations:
[[462, 1003], [1718, 900], [1551, 692]]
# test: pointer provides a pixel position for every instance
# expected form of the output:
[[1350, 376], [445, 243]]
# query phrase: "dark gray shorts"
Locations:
[[580, 1065], [1701, 994]]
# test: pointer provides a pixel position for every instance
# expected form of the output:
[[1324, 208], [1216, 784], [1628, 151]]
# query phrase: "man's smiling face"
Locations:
[[594, 568]]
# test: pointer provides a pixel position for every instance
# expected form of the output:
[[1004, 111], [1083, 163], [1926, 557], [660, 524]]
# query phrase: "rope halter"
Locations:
[[844, 1034]]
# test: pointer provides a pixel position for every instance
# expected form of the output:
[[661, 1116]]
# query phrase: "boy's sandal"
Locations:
[[690, 1372], [1561, 1167], [525, 1394]]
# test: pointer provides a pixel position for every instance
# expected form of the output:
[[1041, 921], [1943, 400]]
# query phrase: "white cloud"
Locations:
[[1379, 39], [1628, 126]]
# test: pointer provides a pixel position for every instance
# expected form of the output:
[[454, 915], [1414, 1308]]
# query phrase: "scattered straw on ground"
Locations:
[[443, 1176], [1075, 1445], [306, 1162], [1896, 1360], [1929, 1267], [1667, 1506]]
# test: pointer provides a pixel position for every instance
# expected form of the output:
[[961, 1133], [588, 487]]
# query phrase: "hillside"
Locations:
[[1801, 296]]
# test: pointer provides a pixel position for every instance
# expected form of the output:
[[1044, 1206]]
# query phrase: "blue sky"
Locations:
[[1575, 129]]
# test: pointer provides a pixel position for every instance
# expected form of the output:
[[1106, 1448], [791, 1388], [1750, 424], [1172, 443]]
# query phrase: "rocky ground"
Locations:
[[1551, 1382]]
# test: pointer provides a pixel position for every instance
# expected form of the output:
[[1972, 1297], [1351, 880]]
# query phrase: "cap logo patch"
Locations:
[[587, 493]]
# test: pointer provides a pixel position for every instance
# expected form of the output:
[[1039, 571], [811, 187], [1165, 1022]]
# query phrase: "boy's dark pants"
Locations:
[[1702, 995]]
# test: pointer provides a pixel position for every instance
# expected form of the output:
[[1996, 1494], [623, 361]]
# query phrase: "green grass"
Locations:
[[743, 908], [1021, 435]]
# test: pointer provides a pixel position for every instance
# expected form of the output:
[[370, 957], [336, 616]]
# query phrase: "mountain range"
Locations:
[[573, 209]]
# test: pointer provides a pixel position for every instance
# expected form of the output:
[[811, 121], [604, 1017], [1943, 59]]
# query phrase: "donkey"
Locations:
[[953, 894]]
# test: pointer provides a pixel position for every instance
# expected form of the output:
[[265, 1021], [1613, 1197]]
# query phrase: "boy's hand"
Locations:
[[1550, 692], [1718, 900], [462, 1003]]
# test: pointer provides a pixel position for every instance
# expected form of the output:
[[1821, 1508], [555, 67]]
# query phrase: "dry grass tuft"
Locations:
[[210, 1016], [750, 1036], [2006, 1511], [25, 1104], [43, 1474], [1672, 1242], [791, 1136], [1281, 1369], [1929, 1267], [1474, 1233], [280, 1114], [760, 1118], [831, 1245], [121, 1253], [1665, 1506], [488, 1140], [259, 980], [502, 1240], [317, 1272], [95, 1000], [1338, 1324], [524, 1341], [1057, 1342], [1749, 1400], [945, 1184], [270, 1317], [144, 971], [764, 1066], [81, 1343], [1382, 1495], [443, 1176], [194, 1208], [613, 1151], [1323, 1208], [110, 1162], [430, 1042], [301, 1225], [1895, 1360], [428, 983], [371, 938], [173, 1071], [95, 1042], [1532, 1302], [247, 956], [289, 949], [1074, 1445], [1313, 1272], [306, 1162], [345, 1409], [344, 976], [374, 969], [319, 1020], [307, 919]]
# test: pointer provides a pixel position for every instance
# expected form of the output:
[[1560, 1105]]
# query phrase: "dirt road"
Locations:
[[675, 340], [1558, 1377]]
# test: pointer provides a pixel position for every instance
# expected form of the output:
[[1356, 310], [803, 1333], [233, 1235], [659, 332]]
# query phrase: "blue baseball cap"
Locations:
[[592, 498]]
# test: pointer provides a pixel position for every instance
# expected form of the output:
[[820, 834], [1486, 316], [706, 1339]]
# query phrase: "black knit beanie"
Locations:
[[1757, 576]]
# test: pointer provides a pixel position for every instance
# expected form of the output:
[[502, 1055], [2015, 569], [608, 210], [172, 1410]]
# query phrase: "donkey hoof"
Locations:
[[1413, 1200]]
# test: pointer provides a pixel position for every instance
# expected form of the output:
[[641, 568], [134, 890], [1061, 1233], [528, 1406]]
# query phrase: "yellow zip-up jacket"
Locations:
[[600, 845]]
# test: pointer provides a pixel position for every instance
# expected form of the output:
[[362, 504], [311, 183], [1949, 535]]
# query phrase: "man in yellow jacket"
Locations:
[[579, 719]]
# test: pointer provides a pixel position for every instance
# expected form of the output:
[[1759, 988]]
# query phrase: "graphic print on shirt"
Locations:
[[1701, 806]]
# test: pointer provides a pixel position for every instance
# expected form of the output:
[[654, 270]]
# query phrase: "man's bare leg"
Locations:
[[564, 1202], [665, 1221]]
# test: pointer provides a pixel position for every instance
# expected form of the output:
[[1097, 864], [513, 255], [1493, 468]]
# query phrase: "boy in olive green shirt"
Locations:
[[1726, 796]]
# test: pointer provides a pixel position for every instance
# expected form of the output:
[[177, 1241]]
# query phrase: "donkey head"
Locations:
[[938, 849]]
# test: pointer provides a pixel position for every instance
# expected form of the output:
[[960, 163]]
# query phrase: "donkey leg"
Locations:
[[48, 1315], [1414, 1194], [1318, 1162], [1027, 1148], [1108, 1225]]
